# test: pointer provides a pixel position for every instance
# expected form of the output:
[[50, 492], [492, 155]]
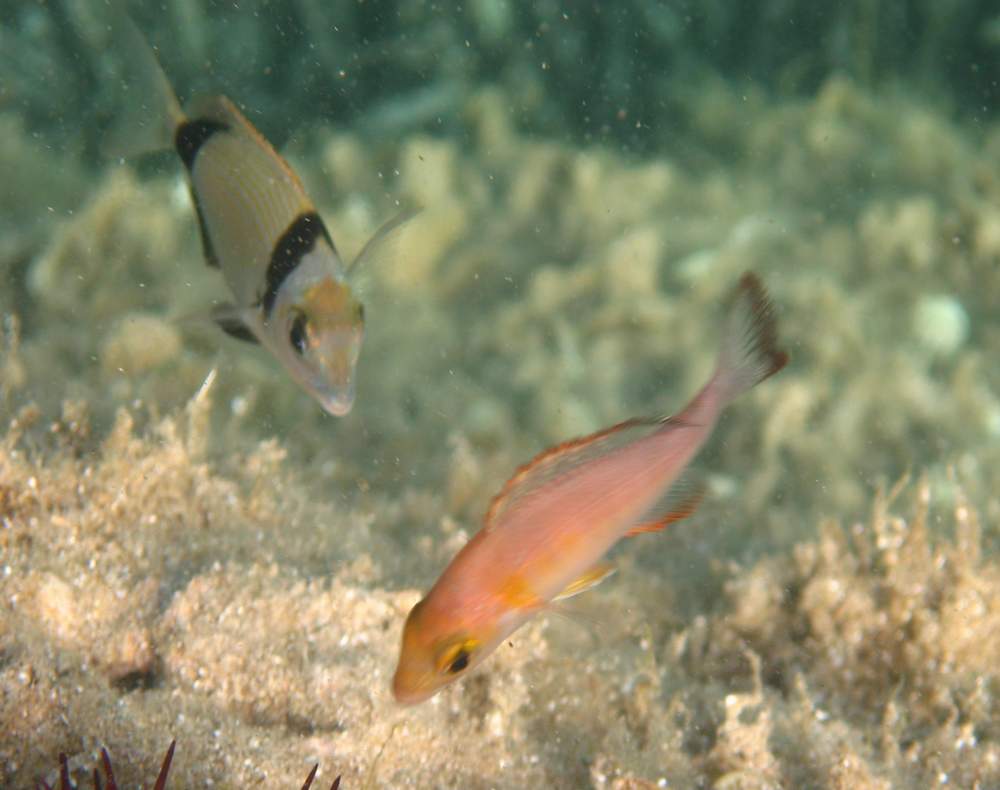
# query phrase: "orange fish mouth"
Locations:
[[406, 692]]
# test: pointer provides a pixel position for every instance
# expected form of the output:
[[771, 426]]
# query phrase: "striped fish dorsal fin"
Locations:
[[218, 108], [562, 459]]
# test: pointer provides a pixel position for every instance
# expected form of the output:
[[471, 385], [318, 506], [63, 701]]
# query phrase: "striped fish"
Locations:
[[290, 287]]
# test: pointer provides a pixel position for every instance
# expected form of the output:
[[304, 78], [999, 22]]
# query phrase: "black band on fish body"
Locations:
[[188, 140], [293, 245], [206, 241], [192, 135]]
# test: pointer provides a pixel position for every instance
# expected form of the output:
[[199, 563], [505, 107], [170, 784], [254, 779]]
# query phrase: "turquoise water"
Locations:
[[232, 568]]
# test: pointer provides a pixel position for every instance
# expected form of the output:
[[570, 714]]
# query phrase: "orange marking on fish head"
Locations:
[[322, 333], [331, 300]]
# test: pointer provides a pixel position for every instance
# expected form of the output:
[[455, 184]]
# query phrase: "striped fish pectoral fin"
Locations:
[[378, 239], [679, 502], [586, 581], [229, 318]]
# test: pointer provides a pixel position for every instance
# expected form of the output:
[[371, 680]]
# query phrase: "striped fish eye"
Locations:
[[455, 658], [297, 334]]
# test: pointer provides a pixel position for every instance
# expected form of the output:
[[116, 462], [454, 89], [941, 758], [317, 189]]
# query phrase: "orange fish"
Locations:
[[546, 532]]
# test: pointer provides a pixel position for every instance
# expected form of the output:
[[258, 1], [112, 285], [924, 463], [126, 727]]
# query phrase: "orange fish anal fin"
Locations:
[[679, 502], [590, 579]]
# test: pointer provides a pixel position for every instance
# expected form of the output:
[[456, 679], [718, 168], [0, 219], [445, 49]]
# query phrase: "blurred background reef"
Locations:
[[224, 564]]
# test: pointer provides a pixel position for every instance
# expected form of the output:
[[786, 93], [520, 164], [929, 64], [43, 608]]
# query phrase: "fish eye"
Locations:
[[461, 662], [456, 658], [297, 334]]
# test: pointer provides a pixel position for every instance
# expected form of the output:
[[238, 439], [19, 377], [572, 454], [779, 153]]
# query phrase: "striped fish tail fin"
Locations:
[[149, 113]]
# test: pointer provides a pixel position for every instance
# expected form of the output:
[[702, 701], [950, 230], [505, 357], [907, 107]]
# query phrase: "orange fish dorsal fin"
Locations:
[[679, 502], [551, 464], [588, 580]]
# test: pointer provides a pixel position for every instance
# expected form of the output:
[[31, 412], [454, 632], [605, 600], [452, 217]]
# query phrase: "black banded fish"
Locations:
[[258, 226]]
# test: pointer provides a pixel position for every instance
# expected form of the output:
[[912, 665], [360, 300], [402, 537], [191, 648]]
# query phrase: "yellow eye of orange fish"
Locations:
[[455, 658]]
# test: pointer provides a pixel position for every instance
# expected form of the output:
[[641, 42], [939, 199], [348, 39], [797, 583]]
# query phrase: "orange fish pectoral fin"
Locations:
[[680, 501], [588, 580]]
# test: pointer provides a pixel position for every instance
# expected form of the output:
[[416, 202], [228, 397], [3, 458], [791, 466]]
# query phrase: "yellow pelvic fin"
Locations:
[[591, 578]]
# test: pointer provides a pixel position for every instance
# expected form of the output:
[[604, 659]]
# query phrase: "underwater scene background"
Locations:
[[220, 562]]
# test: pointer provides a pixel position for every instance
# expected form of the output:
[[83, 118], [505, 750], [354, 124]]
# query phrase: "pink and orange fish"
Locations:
[[547, 531]]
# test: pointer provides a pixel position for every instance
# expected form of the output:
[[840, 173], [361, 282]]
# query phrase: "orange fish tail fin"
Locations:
[[749, 352]]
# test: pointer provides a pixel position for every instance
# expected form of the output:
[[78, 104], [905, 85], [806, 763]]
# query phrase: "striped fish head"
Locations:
[[439, 648], [318, 334]]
